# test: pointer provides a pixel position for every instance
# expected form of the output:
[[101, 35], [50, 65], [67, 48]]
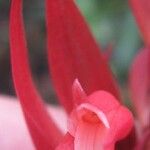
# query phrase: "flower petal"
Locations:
[[121, 123], [140, 85], [119, 118], [101, 116], [43, 130], [141, 10], [90, 136], [99, 123], [73, 53]]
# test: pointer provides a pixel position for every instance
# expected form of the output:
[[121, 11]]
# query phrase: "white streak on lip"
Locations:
[[98, 112]]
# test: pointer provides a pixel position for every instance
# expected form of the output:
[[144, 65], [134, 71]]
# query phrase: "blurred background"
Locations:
[[110, 21]]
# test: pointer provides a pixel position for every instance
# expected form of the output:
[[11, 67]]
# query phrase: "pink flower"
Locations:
[[97, 122], [72, 54]]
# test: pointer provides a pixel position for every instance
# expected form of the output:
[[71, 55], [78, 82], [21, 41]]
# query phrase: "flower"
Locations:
[[73, 54], [97, 122]]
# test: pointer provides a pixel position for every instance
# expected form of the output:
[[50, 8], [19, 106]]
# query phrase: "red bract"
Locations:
[[72, 54], [141, 10], [44, 133]]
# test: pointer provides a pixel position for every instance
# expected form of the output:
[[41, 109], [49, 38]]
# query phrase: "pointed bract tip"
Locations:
[[78, 92], [77, 85]]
